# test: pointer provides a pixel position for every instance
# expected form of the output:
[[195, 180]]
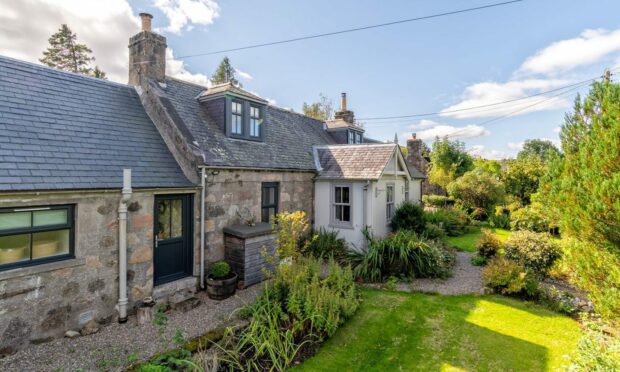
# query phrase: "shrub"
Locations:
[[326, 244], [500, 220], [219, 270], [535, 251], [596, 351], [596, 271], [509, 278], [453, 221], [435, 200], [478, 214], [290, 228], [408, 216], [297, 309], [432, 231], [477, 190], [557, 300], [531, 218], [478, 260], [403, 254], [488, 245]]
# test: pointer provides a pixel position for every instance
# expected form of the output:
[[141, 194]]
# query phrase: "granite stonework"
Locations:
[[38, 303], [417, 155], [231, 193]]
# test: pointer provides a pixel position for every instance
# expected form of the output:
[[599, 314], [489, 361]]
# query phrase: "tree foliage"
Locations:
[[449, 160], [225, 73], [584, 186], [477, 190], [65, 53], [323, 109], [492, 167], [522, 177], [544, 150]]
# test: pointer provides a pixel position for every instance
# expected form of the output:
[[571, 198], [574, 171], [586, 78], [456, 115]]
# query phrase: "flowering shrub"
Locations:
[[509, 278], [535, 251], [290, 228], [488, 245]]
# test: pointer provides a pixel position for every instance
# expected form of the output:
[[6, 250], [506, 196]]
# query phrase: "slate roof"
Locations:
[[355, 162], [60, 130], [220, 89], [415, 172], [289, 136]]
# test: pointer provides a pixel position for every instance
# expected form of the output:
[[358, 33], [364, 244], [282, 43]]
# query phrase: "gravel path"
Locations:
[[466, 278], [118, 345]]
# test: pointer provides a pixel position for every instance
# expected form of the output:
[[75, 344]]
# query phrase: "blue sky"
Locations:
[[456, 61]]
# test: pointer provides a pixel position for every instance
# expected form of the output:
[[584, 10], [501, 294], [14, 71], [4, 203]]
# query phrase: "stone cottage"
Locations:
[[112, 194]]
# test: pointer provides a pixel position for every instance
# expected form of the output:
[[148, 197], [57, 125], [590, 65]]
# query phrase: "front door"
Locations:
[[173, 238]]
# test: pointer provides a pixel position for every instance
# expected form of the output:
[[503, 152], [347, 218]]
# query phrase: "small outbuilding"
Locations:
[[359, 187]]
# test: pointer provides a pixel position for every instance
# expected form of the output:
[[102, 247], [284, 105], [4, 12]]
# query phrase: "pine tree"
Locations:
[[65, 53], [225, 73]]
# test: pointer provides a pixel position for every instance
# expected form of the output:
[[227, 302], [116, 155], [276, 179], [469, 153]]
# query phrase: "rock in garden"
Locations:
[[89, 328], [72, 334]]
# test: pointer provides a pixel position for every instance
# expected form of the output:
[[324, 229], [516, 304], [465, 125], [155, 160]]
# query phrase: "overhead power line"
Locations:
[[351, 30]]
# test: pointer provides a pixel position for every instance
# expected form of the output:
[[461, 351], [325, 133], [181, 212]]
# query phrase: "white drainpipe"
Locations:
[[203, 179], [122, 247]]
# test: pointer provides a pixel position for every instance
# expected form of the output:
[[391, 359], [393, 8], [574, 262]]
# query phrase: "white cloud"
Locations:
[[105, 26], [557, 129], [425, 123], [589, 47], [186, 13], [178, 69], [490, 92], [468, 131], [481, 151], [515, 145], [244, 75]]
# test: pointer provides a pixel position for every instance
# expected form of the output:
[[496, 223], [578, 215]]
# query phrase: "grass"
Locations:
[[468, 241], [411, 331]]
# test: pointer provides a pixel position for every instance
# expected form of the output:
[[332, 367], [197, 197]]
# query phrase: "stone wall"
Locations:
[[416, 156], [232, 191], [40, 302]]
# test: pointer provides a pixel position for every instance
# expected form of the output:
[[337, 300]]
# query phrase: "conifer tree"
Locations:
[[225, 73], [65, 53]]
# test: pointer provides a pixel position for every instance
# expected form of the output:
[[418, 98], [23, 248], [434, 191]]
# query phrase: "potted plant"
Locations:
[[221, 281]]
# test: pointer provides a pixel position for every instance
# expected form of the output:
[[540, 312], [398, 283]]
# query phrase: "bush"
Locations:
[[596, 351], [403, 254], [409, 216], [596, 271], [509, 278], [453, 221], [219, 270], [297, 309], [478, 260], [432, 231], [500, 220], [531, 218], [439, 201], [324, 244], [477, 190], [535, 251], [488, 245]]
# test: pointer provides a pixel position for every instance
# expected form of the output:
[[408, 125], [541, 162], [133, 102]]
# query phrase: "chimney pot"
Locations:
[[413, 135], [146, 21], [343, 102]]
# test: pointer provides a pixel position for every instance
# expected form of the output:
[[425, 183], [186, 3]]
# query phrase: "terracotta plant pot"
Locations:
[[219, 289]]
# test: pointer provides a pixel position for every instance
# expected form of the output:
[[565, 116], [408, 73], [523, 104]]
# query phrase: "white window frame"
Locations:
[[390, 204], [333, 205]]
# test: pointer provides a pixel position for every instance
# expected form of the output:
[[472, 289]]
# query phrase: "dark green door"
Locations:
[[173, 238]]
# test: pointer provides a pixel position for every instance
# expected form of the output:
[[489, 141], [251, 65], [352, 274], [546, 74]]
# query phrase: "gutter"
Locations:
[[122, 246]]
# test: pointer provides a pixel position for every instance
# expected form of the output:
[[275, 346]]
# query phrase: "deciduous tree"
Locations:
[[323, 109]]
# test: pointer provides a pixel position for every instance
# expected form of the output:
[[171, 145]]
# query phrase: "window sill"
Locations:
[[42, 268], [337, 226]]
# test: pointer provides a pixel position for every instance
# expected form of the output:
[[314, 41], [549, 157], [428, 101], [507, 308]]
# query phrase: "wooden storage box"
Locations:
[[244, 247]]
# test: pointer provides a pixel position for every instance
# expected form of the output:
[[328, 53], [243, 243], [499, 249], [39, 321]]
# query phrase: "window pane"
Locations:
[[236, 107], [14, 248], [14, 220], [176, 209], [345, 195], [51, 217], [50, 243], [272, 195], [346, 213], [163, 220], [338, 213]]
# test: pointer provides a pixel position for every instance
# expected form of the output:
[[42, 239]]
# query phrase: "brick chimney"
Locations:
[[344, 114], [147, 54]]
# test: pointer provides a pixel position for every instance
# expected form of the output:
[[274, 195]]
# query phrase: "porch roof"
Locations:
[[360, 162]]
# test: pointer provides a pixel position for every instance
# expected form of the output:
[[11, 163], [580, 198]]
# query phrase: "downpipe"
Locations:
[[122, 246], [203, 180]]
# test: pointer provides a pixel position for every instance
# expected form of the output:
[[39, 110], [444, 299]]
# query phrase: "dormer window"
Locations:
[[354, 137], [237, 118], [255, 122]]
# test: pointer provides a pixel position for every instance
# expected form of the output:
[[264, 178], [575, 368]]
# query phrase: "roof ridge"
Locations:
[[62, 72], [187, 82]]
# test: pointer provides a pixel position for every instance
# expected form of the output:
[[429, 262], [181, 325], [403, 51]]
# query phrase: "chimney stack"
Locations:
[[147, 55], [413, 136], [146, 21], [344, 114]]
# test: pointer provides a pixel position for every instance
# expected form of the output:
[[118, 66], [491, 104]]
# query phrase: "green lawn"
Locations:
[[468, 241], [411, 331]]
